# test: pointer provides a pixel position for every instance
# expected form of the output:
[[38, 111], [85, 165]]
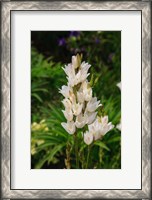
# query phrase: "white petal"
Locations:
[[106, 128], [90, 117], [85, 67], [119, 126], [80, 121], [69, 70], [77, 108], [68, 114], [100, 127], [80, 124], [69, 127], [67, 104], [78, 77], [92, 128], [88, 138], [71, 81], [72, 98], [97, 135], [80, 97], [119, 85], [75, 62], [65, 91], [104, 120], [93, 104], [88, 95]]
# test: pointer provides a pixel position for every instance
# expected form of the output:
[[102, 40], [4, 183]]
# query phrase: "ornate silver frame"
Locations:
[[145, 8]]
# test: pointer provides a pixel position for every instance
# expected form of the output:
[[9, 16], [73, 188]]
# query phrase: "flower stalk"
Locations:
[[76, 150], [67, 160], [88, 156]]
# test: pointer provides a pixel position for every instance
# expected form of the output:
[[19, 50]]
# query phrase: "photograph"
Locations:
[[75, 99]]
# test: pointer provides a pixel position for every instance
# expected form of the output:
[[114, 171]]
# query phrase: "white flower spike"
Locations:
[[80, 105]]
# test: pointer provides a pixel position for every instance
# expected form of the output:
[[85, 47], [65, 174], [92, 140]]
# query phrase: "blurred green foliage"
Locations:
[[50, 52]]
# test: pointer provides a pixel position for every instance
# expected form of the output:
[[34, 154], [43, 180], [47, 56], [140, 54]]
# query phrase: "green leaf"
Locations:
[[37, 97], [40, 90], [49, 137], [114, 139], [102, 145], [44, 146], [57, 113], [49, 156], [54, 151]]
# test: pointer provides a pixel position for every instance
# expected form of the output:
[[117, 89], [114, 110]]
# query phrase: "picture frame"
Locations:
[[7, 122]]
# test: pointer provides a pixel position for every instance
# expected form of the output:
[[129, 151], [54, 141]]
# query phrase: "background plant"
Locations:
[[49, 140]]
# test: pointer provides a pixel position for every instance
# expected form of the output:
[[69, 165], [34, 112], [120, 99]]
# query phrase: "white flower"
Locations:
[[99, 127], [69, 127], [77, 78], [90, 117], [65, 91], [93, 104], [72, 97], [88, 138], [67, 104], [87, 94], [73, 77], [104, 120], [80, 121], [84, 93], [69, 70], [85, 67], [77, 108], [72, 81], [83, 72], [94, 129], [87, 90], [80, 97], [75, 61], [119, 85], [68, 114], [80, 76], [119, 126]]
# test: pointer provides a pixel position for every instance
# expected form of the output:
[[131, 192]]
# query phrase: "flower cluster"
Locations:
[[80, 105], [97, 129]]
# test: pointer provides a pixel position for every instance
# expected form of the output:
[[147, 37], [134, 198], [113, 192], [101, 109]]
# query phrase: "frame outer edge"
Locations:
[[146, 39], [5, 134], [146, 100]]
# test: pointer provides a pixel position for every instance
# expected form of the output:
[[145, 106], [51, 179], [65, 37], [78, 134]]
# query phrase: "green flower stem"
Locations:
[[88, 156], [76, 150], [83, 160]]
